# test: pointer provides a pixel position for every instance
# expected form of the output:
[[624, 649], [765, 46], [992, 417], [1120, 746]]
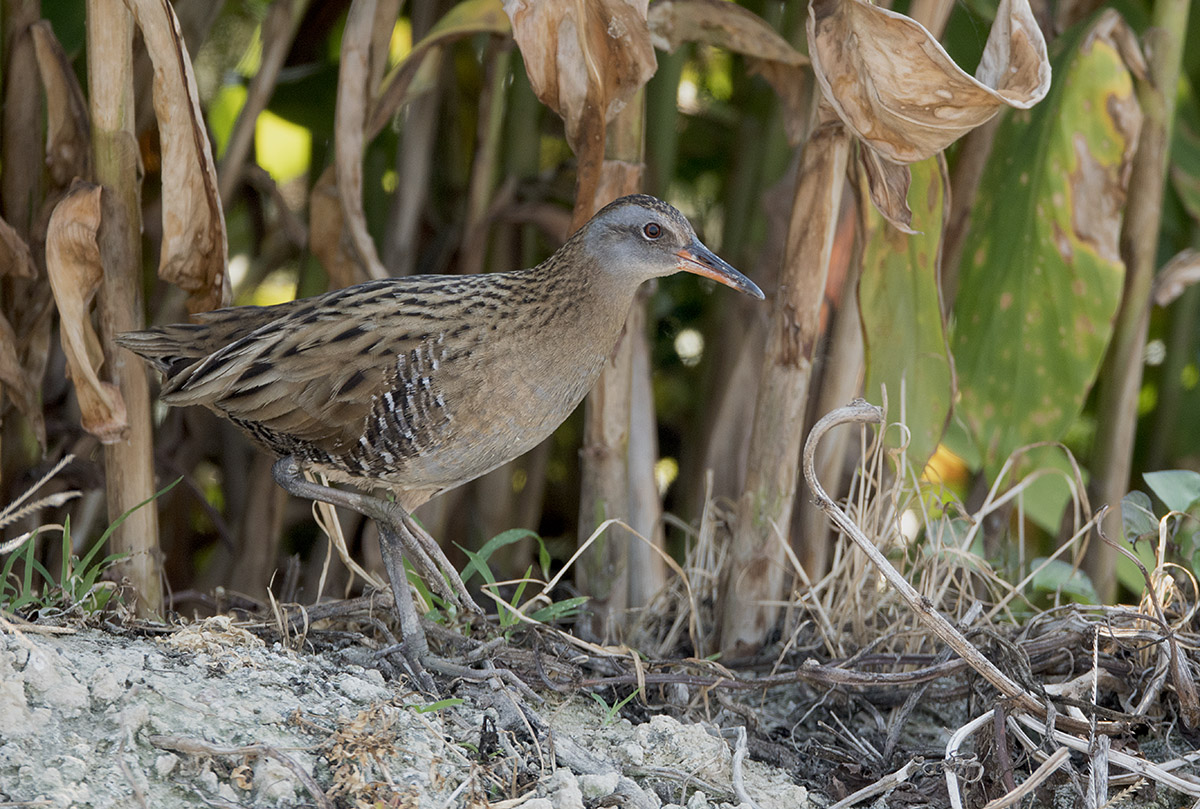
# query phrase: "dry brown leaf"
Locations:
[[585, 61], [721, 24], [1181, 272], [73, 265], [888, 183], [194, 249], [68, 144], [899, 91], [326, 233], [17, 383], [15, 258]]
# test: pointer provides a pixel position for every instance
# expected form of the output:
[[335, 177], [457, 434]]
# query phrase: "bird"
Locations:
[[421, 383]]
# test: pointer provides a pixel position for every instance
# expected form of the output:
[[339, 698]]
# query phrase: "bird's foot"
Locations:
[[419, 670]]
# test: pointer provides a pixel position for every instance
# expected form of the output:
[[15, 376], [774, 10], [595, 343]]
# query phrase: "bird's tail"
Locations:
[[170, 349]]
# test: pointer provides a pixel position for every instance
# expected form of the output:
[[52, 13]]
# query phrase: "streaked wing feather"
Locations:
[[309, 375]]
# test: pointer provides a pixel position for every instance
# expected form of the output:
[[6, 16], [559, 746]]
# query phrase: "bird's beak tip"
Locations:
[[699, 260]]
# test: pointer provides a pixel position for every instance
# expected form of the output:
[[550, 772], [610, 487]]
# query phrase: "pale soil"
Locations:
[[213, 717]]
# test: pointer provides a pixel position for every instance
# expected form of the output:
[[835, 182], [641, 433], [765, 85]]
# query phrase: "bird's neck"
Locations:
[[585, 298]]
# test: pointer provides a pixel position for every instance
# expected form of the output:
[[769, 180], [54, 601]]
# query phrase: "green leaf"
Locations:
[[1137, 516], [478, 563], [1128, 574], [1179, 489], [117, 522], [449, 702], [1060, 577], [901, 308], [560, 610], [1041, 277]]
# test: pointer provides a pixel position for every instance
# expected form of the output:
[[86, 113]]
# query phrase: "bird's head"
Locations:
[[640, 237]]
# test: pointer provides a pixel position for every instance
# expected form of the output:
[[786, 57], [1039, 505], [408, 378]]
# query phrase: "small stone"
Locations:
[[633, 753], [165, 764], [15, 716], [359, 690], [208, 779], [276, 781], [73, 769], [698, 800], [52, 681], [106, 684], [564, 791], [599, 786]]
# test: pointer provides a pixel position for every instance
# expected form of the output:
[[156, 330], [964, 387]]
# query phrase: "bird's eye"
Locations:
[[652, 230]]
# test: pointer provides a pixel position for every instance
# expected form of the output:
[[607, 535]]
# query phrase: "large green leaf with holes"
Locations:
[[903, 327], [1041, 275]]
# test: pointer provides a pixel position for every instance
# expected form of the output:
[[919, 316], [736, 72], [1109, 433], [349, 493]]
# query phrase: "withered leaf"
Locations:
[[17, 382], [721, 24], [899, 91], [585, 61], [326, 233], [68, 144], [194, 249], [888, 183], [1181, 272], [573, 62], [15, 258], [73, 265]]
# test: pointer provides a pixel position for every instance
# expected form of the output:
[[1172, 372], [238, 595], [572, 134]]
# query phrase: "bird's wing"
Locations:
[[315, 374], [173, 348]]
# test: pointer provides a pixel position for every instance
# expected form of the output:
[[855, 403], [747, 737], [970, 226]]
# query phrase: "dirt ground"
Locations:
[[213, 716]]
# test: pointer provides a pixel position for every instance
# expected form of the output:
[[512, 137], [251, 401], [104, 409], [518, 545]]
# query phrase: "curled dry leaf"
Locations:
[[1181, 272], [734, 28], [73, 265], [17, 382], [68, 143], [899, 91], [888, 184], [721, 24], [585, 61], [326, 232], [194, 245], [15, 258]]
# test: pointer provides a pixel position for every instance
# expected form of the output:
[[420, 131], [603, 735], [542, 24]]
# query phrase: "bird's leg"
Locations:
[[414, 646], [425, 554], [397, 533]]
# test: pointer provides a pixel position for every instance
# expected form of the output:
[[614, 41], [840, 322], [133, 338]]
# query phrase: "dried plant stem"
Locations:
[[605, 459], [755, 579], [128, 463], [860, 412], [1121, 376]]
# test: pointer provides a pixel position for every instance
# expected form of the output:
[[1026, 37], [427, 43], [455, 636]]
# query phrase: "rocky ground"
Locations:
[[212, 716]]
